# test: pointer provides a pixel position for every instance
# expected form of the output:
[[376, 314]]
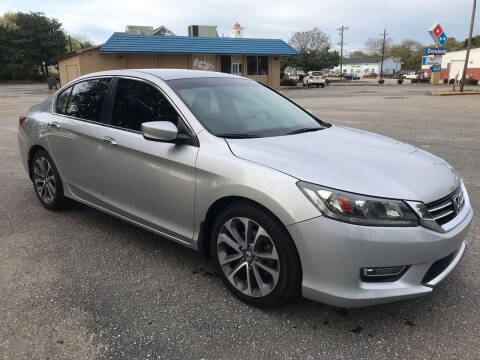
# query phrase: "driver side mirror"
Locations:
[[160, 131]]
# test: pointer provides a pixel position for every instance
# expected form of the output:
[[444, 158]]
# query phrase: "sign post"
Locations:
[[439, 37]]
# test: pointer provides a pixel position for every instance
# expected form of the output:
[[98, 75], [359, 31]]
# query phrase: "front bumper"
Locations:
[[332, 254]]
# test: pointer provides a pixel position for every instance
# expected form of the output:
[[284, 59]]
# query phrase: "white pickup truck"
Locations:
[[411, 75]]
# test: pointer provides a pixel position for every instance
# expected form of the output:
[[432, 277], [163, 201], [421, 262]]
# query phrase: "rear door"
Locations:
[[150, 182], [73, 136]]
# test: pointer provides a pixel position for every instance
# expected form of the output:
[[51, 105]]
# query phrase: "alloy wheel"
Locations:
[[248, 257], [44, 180]]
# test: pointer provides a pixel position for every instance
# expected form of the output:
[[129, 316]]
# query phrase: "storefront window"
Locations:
[[257, 65], [204, 62]]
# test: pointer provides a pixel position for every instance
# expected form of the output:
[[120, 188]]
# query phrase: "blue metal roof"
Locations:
[[121, 42]]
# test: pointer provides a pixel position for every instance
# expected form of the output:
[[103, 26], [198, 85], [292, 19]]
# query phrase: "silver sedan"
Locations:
[[284, 203]]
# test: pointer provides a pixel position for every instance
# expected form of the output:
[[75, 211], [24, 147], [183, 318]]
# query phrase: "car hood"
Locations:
[[355, 161]]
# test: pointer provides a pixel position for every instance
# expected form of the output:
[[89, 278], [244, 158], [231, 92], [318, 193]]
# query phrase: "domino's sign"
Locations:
[[438, 35], [434, 51]]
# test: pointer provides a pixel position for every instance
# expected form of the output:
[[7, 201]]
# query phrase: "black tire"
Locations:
[[57, 200], [289, 278]]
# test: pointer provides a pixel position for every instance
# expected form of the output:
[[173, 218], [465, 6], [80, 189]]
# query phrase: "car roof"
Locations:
[[164, 74]]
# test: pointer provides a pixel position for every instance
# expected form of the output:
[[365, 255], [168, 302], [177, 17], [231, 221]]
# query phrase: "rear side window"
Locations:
[[87, 99], [62, 100], [137, 102]]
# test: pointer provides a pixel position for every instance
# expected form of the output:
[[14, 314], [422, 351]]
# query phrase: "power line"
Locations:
[[341, 29]]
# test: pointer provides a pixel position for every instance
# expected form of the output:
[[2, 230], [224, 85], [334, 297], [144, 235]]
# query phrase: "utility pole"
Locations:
[[469, 45], [341, 29], [383, 50]]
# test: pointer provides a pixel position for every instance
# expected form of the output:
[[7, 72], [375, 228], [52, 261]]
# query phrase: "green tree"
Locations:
[[410, 52], [453, 45], [358, 54], [36, 42], [315, 51], [475, 42], [76, 43]]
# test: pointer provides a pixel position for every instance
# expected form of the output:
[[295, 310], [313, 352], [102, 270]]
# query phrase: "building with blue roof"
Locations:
[[258, 59]]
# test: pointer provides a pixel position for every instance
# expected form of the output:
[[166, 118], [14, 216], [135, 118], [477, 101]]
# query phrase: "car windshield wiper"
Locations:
[[238, 136], [302, 130]]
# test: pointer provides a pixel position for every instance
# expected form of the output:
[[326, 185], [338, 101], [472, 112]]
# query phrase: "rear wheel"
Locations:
[[255, 256], [46, 181]]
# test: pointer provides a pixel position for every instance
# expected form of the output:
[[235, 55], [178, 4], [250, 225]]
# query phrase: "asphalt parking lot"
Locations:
[[81, 284]]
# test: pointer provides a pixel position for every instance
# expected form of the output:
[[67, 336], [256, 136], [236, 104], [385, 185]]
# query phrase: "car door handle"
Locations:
[[54, 125], [108, 140]]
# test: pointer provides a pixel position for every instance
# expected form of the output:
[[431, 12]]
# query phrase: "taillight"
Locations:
[[310, 77], [21, 119], [324, 77]]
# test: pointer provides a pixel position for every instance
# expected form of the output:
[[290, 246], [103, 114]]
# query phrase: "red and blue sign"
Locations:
[[438, 35]]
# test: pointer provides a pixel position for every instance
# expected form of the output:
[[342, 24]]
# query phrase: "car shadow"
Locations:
[[162, 256]]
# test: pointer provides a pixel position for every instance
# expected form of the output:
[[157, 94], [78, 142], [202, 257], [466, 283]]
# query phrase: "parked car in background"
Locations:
[[411, 75], [316, 78], [281, 201], [351, 76]]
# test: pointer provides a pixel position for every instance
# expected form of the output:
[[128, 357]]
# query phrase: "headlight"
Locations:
[[359, 209]]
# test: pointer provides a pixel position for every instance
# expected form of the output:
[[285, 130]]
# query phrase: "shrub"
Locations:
[[288, 82], [327, 81], [381, 81], [451, 81], [445, 81], [400, 81], [413, 81], [471, 81]]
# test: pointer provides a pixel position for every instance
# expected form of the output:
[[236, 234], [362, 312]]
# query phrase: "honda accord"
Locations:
[[283, 203]]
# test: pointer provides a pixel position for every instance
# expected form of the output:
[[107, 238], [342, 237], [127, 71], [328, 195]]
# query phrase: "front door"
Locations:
[[150, 182], [236, 69], [73, 136]]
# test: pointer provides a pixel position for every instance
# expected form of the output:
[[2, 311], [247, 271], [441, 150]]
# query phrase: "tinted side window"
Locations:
[[137, 102], [62, 100], [87, 99]]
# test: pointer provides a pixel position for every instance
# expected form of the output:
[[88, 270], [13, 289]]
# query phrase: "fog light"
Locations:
[[382, 274]]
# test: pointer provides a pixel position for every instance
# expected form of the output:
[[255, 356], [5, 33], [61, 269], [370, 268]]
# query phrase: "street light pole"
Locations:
[[469, 45]]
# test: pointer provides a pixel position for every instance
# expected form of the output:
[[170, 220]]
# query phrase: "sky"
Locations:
[[98, 19]]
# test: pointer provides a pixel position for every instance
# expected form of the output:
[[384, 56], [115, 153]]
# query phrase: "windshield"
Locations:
[[242, 108], [317, 73]]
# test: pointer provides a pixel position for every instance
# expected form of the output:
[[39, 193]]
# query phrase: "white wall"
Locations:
[[455, 60], [389, 66]]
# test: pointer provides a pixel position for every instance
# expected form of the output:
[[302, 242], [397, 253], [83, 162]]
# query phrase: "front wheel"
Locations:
[[255, 256]]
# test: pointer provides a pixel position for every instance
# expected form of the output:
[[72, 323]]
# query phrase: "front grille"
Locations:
[[446, 209], [438, 267]]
